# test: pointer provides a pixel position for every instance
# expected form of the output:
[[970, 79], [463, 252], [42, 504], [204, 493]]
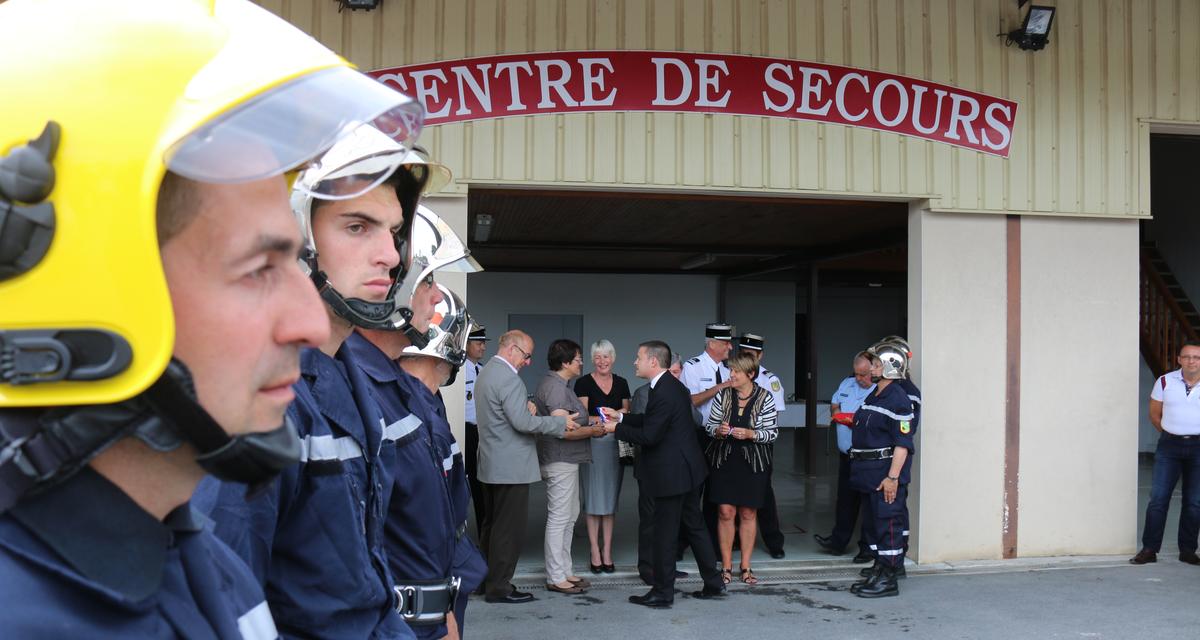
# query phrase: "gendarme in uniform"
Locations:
[[702, 372]]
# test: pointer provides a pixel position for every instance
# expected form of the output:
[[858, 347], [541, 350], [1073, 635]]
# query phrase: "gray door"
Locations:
[[544, 328]]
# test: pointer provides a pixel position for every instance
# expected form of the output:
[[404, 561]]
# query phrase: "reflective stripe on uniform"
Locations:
[[400, 428], [454, 450], [916, 399], [324, 448], [890, 552], [871, 407], [257, 624], [447, 463]]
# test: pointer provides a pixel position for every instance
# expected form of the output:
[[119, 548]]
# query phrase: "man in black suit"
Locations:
[[671, 468]]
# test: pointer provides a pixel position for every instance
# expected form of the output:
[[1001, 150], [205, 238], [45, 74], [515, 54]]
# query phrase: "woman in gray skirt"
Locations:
[[601, 478]]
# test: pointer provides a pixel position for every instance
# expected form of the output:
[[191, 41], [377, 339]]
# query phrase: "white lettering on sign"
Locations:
[[667, 81]]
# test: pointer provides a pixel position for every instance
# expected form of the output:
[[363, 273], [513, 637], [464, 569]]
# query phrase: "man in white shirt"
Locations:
[[1175, 412], [706, 374], [476, 348]]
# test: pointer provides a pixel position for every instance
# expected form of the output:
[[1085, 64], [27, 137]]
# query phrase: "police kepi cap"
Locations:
[[479, 334], [751, 341], [718, 331]]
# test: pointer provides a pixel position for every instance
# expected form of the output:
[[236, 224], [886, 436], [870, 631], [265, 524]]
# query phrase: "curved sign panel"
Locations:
[[589, 81]]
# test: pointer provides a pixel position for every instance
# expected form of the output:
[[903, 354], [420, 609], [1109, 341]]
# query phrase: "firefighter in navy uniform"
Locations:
[[159, 175], [316, 538], [437, 365], [423, 532], [881, 455]]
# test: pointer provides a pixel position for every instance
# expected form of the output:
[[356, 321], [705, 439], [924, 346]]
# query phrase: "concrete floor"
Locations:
[[806, 506], [805, 594]]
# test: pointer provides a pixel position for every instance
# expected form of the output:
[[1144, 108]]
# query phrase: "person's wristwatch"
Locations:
[[894, 478]]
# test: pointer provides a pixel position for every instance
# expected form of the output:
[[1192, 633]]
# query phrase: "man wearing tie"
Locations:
[[671, 468], [476, 347]]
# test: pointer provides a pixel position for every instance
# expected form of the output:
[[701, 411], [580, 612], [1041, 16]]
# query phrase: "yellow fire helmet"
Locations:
[[100, 99]]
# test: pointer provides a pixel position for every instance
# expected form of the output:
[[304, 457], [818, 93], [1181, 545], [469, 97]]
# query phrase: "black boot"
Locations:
[[871, 572], [881, 585], [901, 573]]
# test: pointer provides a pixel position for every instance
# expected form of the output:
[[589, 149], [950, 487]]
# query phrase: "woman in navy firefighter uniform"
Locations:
[[880, 462]]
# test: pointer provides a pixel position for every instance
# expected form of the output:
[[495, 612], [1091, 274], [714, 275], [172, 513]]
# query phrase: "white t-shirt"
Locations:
[[1181, 410]]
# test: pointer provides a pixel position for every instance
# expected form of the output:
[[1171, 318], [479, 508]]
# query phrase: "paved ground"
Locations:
[[1100, 597]]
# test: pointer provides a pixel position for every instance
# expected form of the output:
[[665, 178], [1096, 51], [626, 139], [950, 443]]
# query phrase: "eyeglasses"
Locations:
[[1189, 357], [528, 356]]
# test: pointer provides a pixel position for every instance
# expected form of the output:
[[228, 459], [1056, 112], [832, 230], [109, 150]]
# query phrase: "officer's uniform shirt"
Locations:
[[470, 373], [885, 419], [849, 397], [315, 538], [771, 383], [420, 523], [83, 560], [1181, 406], [701, 374]]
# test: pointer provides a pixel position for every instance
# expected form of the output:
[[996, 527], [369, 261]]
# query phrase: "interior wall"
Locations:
[[957, 303], [1079, 386], [769, 310], [848, 321], [625, 309]]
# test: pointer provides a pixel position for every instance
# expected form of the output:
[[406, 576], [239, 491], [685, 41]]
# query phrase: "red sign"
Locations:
[[586, 81]]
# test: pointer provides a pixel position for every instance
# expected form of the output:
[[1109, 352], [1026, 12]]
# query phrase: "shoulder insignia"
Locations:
[[694, 360], [468, 395], [775, 386], [905, 427]]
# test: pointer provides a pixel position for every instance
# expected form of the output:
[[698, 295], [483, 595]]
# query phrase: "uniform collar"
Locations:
[[104, 535], [370, 359], [327, 379]]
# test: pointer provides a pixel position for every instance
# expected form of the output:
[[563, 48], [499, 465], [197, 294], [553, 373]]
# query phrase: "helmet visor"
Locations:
[[291, 125], [448, 330], [354, 165]]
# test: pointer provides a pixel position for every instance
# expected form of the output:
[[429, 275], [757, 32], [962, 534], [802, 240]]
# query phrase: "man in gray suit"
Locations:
[[508, 461]]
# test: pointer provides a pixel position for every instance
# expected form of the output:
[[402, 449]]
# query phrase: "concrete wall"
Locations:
[[768, 309], [956, 306], [1079, 386]]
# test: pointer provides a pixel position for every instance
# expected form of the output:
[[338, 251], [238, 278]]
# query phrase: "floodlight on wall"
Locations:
[[1034, 32], [483, 228], [355, 5], [701, 260]]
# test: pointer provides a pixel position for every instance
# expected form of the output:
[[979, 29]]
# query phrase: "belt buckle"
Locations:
[[409, 601], [455, 586]]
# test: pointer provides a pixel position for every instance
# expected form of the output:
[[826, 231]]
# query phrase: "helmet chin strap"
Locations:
[[356, 311], [40, 448]]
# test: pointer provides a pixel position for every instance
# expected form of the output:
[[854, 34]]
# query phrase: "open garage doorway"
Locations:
[[819, 279]]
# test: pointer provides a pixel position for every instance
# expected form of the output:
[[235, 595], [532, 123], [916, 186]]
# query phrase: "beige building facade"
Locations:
[[1022, 270]]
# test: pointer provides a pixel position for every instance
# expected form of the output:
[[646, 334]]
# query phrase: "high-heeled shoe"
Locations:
[[608, 568], [596, 568]]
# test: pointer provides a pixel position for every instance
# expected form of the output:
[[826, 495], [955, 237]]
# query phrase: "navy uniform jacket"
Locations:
[[315, 538], [885, 419], [419, 525], [914, 396], [468, 561], [83, 560]]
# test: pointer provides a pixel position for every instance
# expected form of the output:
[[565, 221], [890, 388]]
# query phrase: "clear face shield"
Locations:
[[275, 132]]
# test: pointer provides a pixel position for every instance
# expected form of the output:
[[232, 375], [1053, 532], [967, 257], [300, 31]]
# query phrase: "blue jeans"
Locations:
[[1174, 457]]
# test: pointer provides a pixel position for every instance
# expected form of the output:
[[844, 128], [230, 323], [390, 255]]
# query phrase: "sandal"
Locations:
[[748, 576], [727, 575]]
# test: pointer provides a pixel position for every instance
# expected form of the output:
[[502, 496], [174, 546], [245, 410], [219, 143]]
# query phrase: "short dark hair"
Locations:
[[562, 352], [1188, 343], [179, 200], [658, 350]]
